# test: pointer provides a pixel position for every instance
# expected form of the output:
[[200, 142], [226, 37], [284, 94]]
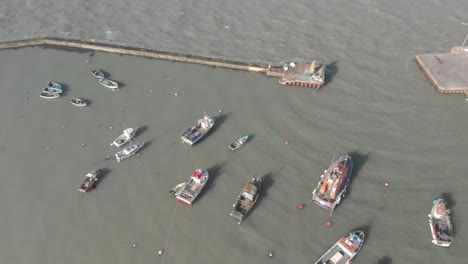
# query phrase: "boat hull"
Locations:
[[238, 143], [125, 137], [78, 102], [195, 133], [244, 206], [341, 252], [122, 155], [440, 224], [329, 203], [193, 188]]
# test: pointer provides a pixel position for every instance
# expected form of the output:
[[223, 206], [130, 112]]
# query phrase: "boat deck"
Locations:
[[335, 256]]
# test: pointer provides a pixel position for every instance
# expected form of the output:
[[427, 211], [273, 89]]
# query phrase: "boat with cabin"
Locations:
[[238, 143], [344, 250], [440, 223], [126, 136], [128, 151], [197, 132], [246, 199], [193, 187], [334, 182], [89, 182]]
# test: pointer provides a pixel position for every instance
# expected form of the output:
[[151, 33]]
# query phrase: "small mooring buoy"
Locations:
[[160, 252], [270, 254], [301, 206], [329, 224]]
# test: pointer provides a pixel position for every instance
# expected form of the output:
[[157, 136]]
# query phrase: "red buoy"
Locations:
[[301, 206], [286, 142], [329, 224]]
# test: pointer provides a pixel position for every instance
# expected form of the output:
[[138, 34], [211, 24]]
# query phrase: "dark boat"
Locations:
[[440, 223], [89, 182], [333, 183], [246, 199], [97, 73]]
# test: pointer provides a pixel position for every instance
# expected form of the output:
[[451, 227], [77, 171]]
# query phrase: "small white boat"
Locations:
[[97, 73], [49, 95], [238, 143], [126, 136], [128, 151], [78, 102], [109, 84], [344, 250], [177, 189], [193, 187]]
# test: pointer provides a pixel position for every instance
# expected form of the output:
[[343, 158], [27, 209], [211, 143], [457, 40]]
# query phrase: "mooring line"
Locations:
[[169, 233]]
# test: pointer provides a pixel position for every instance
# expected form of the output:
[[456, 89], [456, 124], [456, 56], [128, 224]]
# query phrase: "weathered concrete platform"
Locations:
[[448, 72]]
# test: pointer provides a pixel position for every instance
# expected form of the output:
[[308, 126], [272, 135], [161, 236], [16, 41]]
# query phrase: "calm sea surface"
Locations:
[[376, 105]]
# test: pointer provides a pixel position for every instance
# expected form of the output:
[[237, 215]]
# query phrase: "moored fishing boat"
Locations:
[[246, 199], [333, 184], [197, 132], [89, 181], [128, 151], [97, 73], [78, 102], [126, 136], [49, 95], [440, 223], [344, 250], [193, 187], [238, 143], [109, 84]]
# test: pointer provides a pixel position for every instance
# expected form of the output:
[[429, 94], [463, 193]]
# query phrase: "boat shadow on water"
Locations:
[[448, 197], [141, 130], [267, 182], [330, 72], [214, 171], [65, 88], [103, 173], [359, 160], [384, 260]]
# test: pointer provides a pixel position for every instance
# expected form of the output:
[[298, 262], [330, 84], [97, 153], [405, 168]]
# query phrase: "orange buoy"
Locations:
[[329, 224], [301, 206]]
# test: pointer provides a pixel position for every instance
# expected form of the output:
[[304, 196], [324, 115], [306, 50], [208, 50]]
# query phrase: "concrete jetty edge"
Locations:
[[269, 69]]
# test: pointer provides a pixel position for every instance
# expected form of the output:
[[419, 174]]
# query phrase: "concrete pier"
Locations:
[[90, 44], [448, 72]]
